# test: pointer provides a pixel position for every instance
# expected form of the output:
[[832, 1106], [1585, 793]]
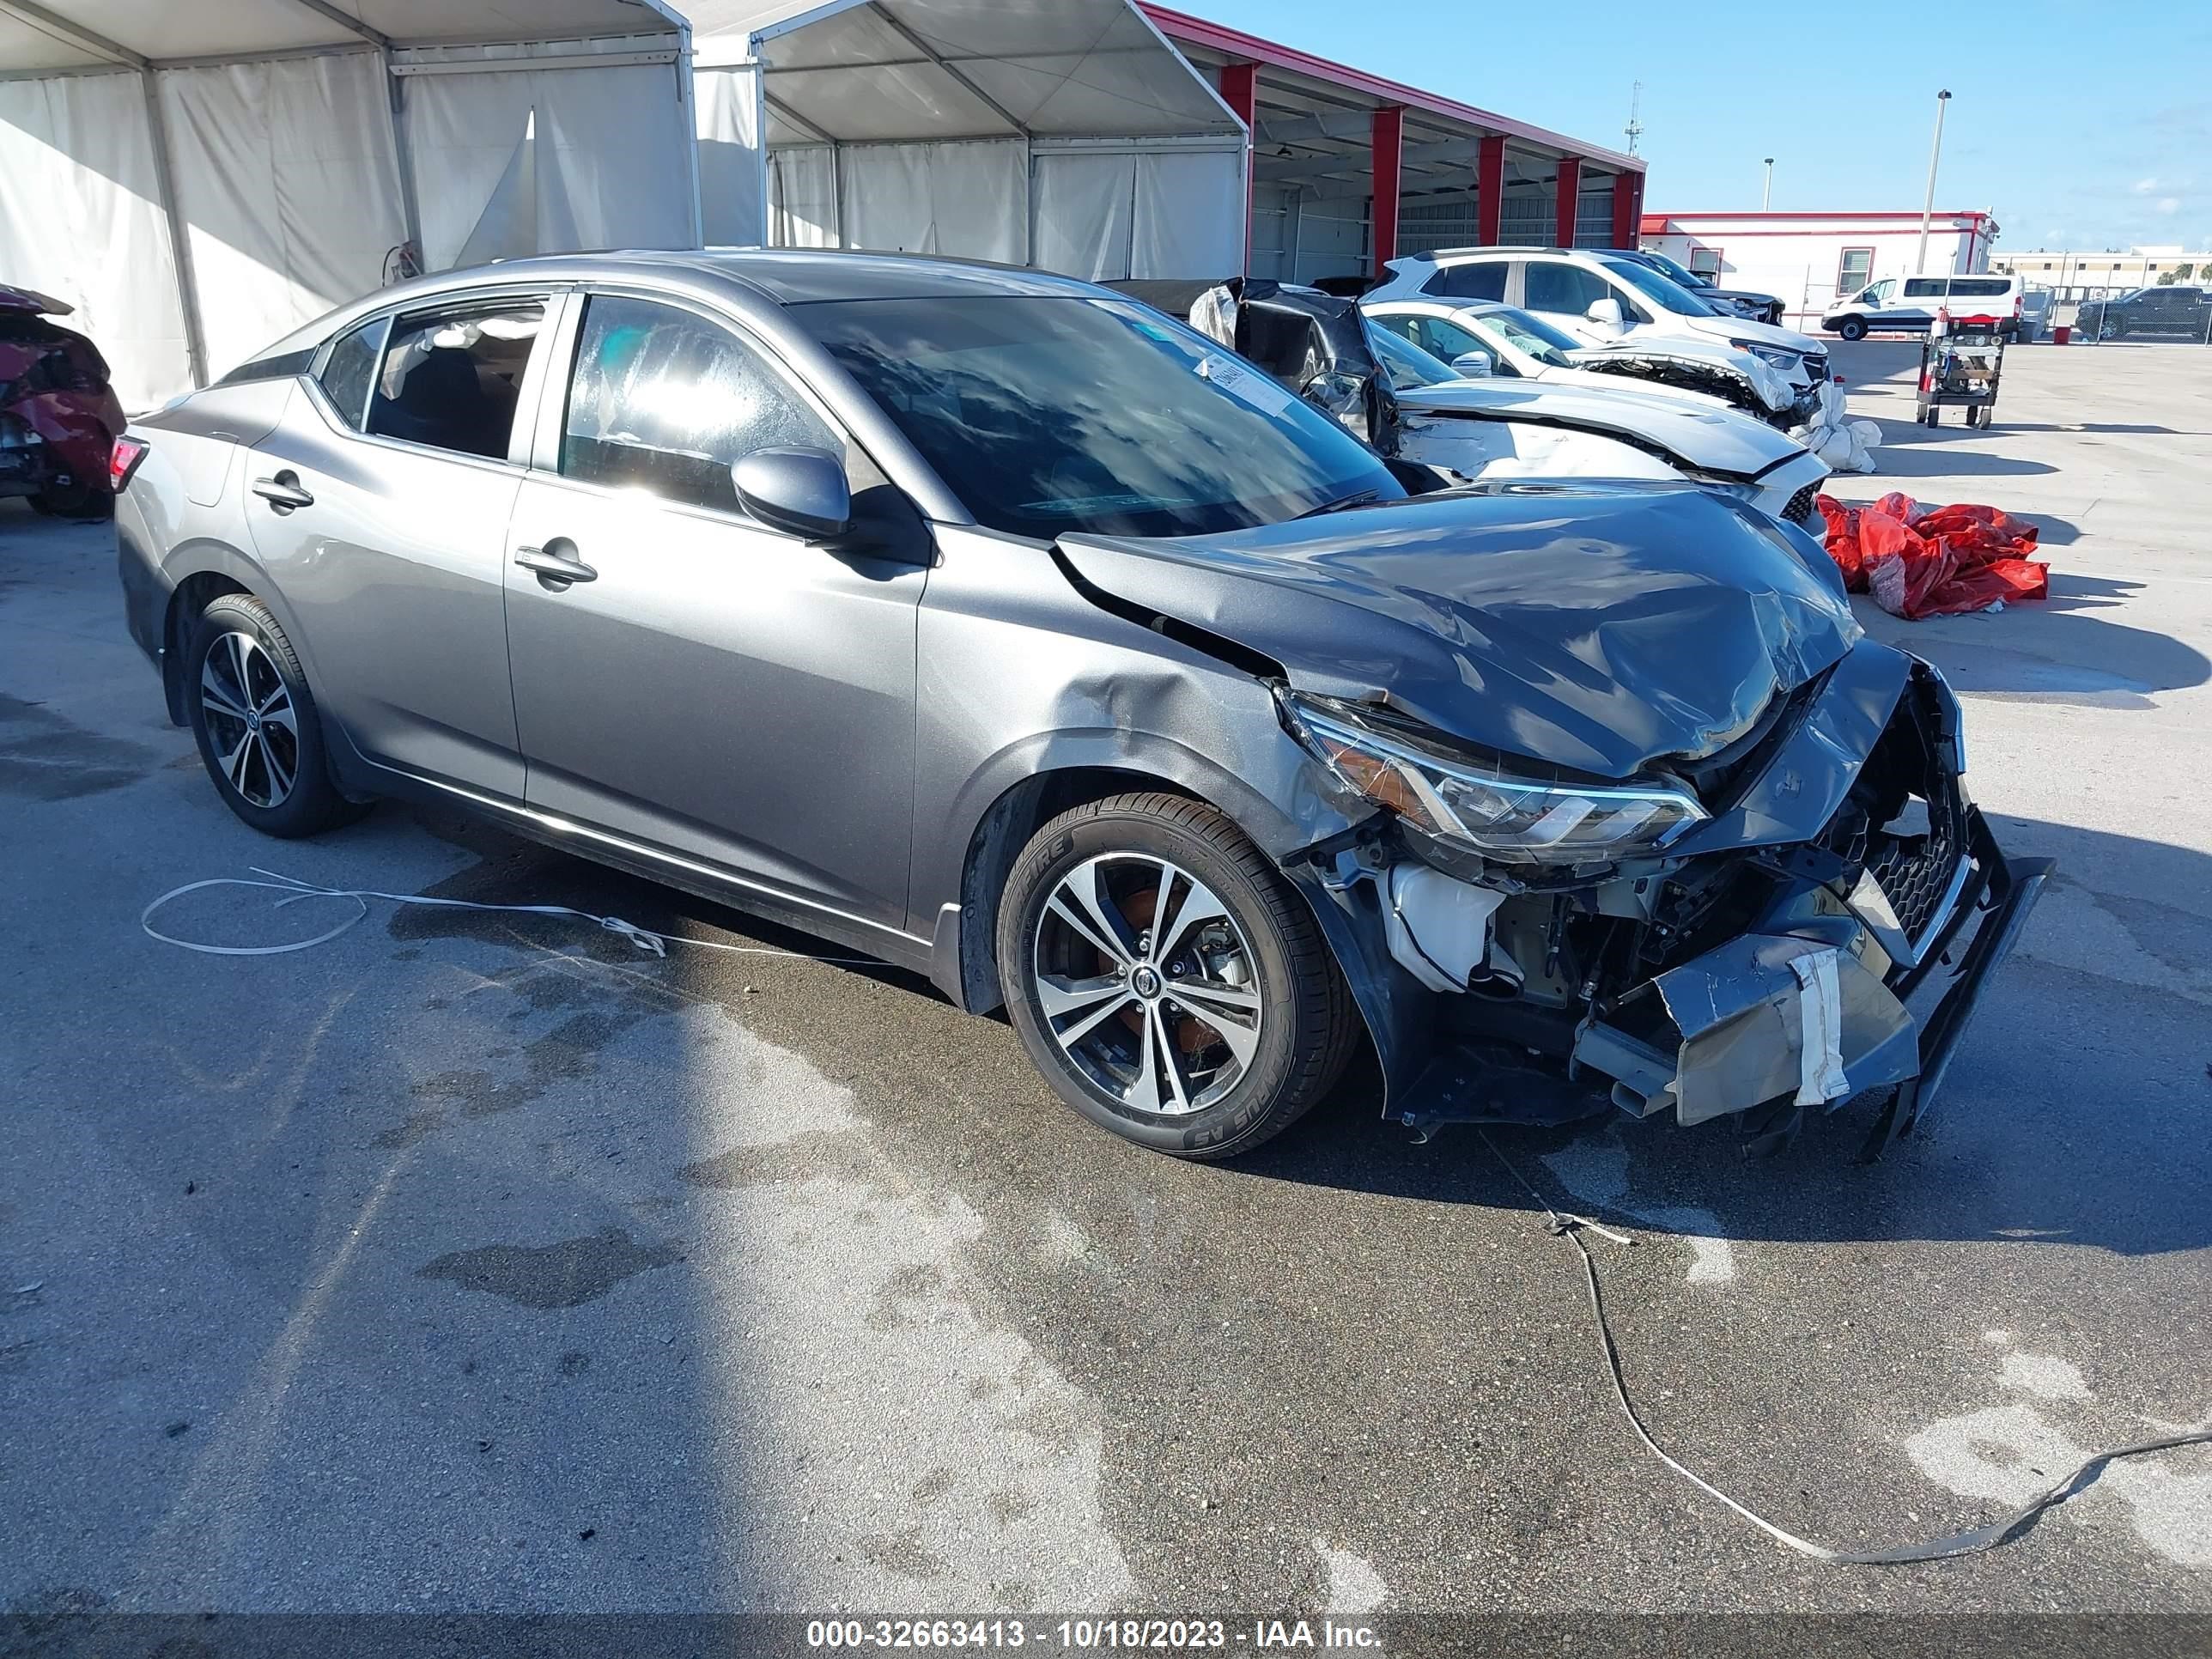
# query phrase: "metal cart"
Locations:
[[1961, 367]]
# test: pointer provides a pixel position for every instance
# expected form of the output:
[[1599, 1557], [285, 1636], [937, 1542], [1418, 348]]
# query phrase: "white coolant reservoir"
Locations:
[[1438, 928]]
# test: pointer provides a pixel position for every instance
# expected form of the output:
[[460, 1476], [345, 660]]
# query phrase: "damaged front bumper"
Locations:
[[1763, 975]]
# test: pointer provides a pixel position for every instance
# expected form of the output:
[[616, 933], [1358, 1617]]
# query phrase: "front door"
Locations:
[[714, 688], [380, 507]]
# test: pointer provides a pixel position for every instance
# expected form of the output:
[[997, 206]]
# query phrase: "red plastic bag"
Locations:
[[1933, 561]]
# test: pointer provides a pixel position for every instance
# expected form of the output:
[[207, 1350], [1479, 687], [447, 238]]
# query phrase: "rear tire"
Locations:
[[1201, 1044], [254, 718], [1852, 328]]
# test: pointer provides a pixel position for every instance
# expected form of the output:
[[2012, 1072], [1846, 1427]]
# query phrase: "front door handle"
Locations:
[[554, 568], [282, 492]]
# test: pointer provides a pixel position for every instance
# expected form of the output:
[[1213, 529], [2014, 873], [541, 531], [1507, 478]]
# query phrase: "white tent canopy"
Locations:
[[199, 176], [1064, 134]]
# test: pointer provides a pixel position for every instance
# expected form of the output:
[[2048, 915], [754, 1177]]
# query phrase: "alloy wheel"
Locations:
[[1147, 983], [252, 724]]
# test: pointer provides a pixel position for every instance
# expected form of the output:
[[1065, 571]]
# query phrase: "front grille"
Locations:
[[1799, 510], [1915, 871]]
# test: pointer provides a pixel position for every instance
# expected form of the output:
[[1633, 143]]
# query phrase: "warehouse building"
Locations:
[[1810, 260]]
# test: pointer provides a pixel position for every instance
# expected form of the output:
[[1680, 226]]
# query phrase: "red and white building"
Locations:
[[1808, 260], [1349, 170]]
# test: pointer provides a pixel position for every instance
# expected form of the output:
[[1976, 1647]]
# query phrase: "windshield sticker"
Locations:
[[1245, 384]]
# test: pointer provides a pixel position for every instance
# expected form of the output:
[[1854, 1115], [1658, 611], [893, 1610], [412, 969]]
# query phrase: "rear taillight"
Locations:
[[123, 460]]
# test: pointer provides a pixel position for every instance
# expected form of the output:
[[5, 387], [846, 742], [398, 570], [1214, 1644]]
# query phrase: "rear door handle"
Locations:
[[553, 567], [282, 492]]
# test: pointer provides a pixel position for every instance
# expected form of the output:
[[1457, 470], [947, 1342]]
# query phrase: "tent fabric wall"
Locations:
[[288, 181], [733, 208], [802, 196], [969, 199], [611, 167], [77, 173], [1189, 218], [1086, 213]]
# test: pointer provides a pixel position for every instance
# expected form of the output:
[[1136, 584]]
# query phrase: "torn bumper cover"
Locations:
[[1758, 974]]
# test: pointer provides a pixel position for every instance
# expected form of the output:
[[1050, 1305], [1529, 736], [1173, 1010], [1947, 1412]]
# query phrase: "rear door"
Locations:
[[714, 688], [380, 505]]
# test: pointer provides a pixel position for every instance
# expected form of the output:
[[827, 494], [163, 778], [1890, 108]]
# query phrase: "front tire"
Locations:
[[1852, 328], [255, 721], [1166, 980]]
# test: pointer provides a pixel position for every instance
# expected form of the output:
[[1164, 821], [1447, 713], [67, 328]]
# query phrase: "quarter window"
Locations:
[[350, 369], [1485, 279], [665, 401], [451, 378]]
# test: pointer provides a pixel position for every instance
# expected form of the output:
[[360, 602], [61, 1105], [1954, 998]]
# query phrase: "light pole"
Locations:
[[1928, 206], [1766, 190]]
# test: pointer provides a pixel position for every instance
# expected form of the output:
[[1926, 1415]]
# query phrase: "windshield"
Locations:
[[1656, 288], [1406, 363], [1527, 335], [1677, 273], [1046, 415]]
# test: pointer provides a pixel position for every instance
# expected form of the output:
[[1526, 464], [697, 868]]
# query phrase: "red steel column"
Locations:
[[1489, 189], [1240, 90], [1389, 141], [1570, 190], [1624, 208]]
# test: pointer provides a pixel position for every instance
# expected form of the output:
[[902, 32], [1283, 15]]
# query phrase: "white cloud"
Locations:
[[2169, 204], [2144, 186]]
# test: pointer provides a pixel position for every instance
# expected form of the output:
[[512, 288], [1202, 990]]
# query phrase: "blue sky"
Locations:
[[2086, 124]]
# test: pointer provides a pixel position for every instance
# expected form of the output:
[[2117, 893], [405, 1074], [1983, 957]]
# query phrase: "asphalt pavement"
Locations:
[[481, 1261]]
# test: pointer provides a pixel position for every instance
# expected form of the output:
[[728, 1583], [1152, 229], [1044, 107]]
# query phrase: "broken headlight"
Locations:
[[1484, 805]]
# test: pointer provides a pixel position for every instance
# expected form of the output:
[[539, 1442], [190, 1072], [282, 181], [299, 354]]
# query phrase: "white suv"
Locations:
[[1599, 298]]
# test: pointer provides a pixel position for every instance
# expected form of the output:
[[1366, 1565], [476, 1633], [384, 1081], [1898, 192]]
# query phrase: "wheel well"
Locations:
[[1004, 830], [194, 595]]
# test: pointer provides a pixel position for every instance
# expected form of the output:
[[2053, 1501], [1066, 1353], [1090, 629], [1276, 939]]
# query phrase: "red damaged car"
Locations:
[[58, 417]]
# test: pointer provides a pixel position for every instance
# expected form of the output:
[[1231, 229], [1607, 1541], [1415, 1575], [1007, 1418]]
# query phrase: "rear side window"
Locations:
[[1484, 280], [350, 370], [450, 379], [1978, 288], [665, 401]]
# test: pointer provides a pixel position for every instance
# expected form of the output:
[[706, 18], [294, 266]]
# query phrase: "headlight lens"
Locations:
[[1487, 808], [1772, 356]]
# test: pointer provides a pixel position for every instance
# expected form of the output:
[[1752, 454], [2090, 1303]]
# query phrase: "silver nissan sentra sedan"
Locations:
[[1005, 629]]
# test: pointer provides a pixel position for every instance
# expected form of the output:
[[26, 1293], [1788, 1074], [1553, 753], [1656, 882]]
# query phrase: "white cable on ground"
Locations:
[[1972, 1542], [295, 890]]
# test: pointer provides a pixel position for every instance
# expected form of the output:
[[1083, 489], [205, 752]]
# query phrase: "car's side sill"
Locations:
[[706, 881]]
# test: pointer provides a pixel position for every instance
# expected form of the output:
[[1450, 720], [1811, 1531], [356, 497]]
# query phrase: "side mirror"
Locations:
[[1605, 313], [794, 487], [1476, 365]]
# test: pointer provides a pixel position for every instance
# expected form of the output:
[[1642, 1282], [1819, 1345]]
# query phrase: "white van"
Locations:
[[1909, 304]]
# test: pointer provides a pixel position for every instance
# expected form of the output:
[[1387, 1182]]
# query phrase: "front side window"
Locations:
[[350, 370], [1530, 336], [1880, 293], [1484, 279], [1047, 415], [665, 401], [1447, 340], [451, 378], [1563, 290]]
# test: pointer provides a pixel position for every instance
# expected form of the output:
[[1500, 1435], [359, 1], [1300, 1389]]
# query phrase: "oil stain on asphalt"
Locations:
[[563, 1275]]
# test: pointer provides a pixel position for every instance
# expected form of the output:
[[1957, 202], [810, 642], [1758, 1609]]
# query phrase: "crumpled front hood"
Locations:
[[1710, 438], [1592, 626]]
